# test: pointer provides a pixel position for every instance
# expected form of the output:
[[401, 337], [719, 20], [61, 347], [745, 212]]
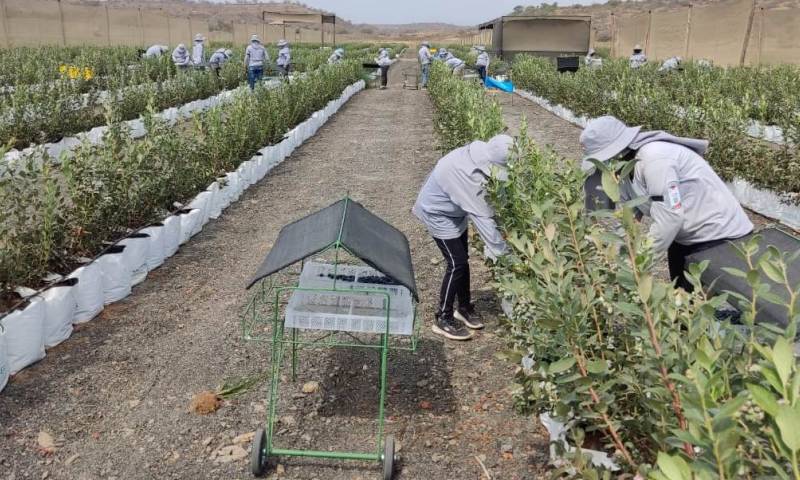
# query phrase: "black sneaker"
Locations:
[[449, 328], [470, 317]]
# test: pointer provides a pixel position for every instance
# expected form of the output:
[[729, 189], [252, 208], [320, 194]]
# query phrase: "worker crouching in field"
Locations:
[[638, 59], [452, 194], [456, 64], [255, 59], [218, 59], [181, 58], [482, 62], [425, 59], [592, 60], [336, 57], [284, 61], [155, 51], [671, 64], [691, 207], [384, 62]]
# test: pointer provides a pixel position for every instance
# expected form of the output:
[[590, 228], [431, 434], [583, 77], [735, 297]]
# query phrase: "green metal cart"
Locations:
[[355, 289]]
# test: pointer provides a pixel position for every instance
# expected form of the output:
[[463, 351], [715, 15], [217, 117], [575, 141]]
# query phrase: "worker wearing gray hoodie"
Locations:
[[453, 194]]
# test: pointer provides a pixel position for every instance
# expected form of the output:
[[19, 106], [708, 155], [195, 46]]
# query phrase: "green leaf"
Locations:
[[772, 271], [735, 272], [783, 358], [645, 287], [561, 365], [763, 399], [788, 420], [610, 185], [674, 468], [597, 366]]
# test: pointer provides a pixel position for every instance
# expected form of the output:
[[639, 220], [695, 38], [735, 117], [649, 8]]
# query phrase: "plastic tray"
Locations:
[[351, 311]]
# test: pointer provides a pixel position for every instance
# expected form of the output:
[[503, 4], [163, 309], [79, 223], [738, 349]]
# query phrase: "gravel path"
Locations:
[[115, 396]]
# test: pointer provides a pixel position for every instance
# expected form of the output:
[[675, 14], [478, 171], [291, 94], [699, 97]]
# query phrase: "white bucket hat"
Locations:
[[199, 37], [480, 48], [282, 43], [591, 52], [426, 43], [492, 156], [228, 53], [255, 38], [637, 47], [606, 137]]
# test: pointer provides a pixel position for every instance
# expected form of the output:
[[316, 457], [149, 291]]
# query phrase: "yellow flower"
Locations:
[[88, 74], [74, 72], [62, 69]]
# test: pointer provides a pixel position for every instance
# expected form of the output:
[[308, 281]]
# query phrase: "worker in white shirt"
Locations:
[[690, 205], [155, 51], [218, 59], [384, 61], [638, 58], [284, 61], [256, 59], [592, 60], [671, 64], [455, 64], [199, 51], [336, 56], [181, 58]]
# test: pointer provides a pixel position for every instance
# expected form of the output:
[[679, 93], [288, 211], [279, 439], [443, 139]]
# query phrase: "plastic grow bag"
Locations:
[[136, 256], [172, 235], [235, 185], [5, 368], [60, 305], [215, 204], [88, 292], [190, 221], [116, 274], [200, 203], [25, 335], [155, 246]]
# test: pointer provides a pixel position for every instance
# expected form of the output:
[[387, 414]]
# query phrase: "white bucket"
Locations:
[[60, 305], [25, 335], [88, 292]]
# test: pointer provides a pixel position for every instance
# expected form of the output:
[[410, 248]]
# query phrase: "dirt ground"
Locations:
[[115, 397]]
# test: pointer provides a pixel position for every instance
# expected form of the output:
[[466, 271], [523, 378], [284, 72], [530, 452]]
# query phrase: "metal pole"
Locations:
[[688, 31], [61, 22], [760, 34], [141, 28], [649, 31], [9, 43], [614, 38], [747, 33], [169, 31]]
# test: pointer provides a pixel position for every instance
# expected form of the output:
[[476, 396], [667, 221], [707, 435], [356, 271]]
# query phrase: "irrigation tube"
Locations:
[[762, 201], [48, 318]]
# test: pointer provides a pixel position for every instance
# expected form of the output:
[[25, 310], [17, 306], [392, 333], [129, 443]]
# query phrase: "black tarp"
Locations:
[[354, 228], [726, 256]]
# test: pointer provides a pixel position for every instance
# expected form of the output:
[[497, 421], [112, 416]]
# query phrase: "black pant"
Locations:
[[676, 258], [456, 278], [482, 73], [384, 75]]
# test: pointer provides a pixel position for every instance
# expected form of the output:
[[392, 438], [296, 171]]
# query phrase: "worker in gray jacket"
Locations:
[[218, 59], [453, 194], [456, 64], [155, 51], [690, 205], [255, 60], [482, 62], [425, 58], [336, 56], [284, 61], [181, 58], [199, 51], [671, 64], [384, 61]]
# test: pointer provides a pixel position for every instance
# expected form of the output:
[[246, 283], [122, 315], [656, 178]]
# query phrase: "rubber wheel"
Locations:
[[388, 458], [258, 463]]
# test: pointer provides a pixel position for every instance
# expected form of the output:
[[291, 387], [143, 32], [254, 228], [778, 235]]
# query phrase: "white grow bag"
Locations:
[[25, 335], [88, 292], [116, 274], [155, 246], [235, 186], [172, 235], [215, 205], [5, 369], [60, 305], [201, 203], [190, 221], [136, 256]]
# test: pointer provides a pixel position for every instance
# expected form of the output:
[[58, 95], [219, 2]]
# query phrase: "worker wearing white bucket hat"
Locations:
[[425, 58], [453, 194], [690, 205], [199, 51], [638, 58], [592, 60], [255, 60], [181, 58], [284, 61], [482, 62]]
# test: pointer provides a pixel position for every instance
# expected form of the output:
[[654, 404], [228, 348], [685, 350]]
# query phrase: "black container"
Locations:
[[567, 64]]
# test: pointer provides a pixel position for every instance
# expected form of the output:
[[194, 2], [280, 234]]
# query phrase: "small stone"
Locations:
[[305, 437], [72, 459], [280, 469], [428, 444], [231, 453], [288, 421], [207, 441], [422, 383], [506, 448], [437, 457], [436, 261], [244, 438], [310, 387]]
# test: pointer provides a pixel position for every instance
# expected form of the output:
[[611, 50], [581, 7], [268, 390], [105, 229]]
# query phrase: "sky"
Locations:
[[459, 12]]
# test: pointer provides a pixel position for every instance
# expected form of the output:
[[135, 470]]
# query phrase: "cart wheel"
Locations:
[[388, 458], [258, 460]]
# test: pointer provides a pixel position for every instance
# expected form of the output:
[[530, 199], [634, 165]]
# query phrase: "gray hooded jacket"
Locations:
[[284, 57], [454, 192]]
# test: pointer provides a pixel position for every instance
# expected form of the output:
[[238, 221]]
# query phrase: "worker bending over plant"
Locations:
[[284, 61], [336, 56], [453, 193], [691, 207], [219, 58], [482, 62]]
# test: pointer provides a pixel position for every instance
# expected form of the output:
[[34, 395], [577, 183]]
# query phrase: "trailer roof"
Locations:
[[515, 18]]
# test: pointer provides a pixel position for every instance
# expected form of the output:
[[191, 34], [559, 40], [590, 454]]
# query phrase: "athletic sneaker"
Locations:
[[470, 317], [449, 328]]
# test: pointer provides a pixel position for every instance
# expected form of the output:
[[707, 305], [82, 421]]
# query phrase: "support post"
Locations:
[[191, 30], [9, 42], [169, 31], [108, 26], [760, 34], [141, 29], [649, 31], [60, 21], [747, 33], [688, 31], [614, 36]]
